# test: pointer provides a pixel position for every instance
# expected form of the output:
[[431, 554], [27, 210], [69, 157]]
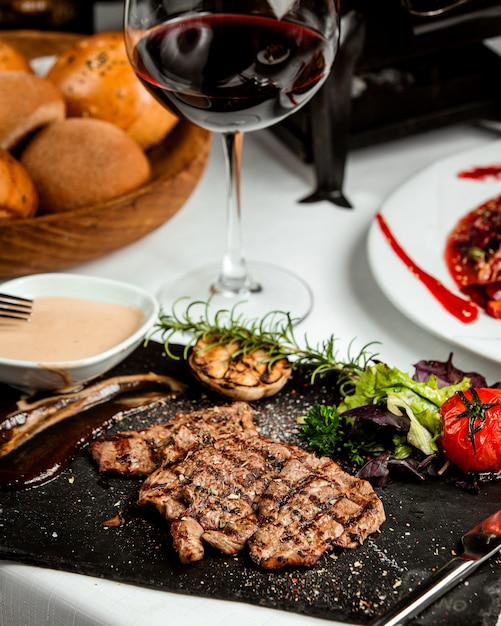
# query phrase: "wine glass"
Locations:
[[231, 67]]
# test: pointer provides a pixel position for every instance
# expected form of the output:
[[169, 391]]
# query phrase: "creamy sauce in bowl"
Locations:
[[68, 329]]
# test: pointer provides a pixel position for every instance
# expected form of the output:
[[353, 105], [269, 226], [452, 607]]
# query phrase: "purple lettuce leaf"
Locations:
[[381, 470], [378, 414], [446, 373]]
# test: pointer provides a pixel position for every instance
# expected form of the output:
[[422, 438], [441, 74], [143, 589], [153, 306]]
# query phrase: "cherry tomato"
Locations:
[[472, 429]]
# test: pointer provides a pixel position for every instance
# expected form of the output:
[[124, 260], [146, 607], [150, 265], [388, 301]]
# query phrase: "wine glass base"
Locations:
[[279, 290]]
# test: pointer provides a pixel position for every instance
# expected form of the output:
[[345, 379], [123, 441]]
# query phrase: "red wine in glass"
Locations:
[[226, 72]]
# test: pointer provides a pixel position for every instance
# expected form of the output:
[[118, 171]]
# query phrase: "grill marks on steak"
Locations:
[[135, 453], [211, 494], [311, 507], [140, 452], [221, 483]]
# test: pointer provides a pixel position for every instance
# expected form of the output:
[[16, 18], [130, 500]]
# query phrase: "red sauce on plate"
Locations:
[[482, 173], [462, 309]]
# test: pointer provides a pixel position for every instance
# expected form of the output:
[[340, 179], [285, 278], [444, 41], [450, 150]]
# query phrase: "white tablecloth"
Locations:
[[321, 242]]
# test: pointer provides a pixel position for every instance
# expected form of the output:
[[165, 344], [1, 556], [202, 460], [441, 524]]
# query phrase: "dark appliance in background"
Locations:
[[74, 16], [56, 15], [404, 66]]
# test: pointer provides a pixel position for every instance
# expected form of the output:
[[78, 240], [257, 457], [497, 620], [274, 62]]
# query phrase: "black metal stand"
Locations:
[[415, 75]]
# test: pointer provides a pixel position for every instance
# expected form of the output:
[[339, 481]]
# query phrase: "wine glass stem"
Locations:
[[234, 278]]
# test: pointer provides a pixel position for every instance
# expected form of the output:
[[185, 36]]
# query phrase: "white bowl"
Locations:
[[53, 375]]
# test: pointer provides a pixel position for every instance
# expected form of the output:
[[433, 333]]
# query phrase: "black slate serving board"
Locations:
[[59, 525]]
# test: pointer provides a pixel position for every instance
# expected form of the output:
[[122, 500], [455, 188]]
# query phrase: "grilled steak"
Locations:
[[211, 494], [134, 453], [312, 506], [140, 452], [218, 482]]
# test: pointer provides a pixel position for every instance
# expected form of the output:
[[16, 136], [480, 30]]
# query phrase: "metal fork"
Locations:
[[15, 307]]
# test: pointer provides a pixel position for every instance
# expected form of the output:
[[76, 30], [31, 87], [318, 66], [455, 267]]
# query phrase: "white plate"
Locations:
[[421, 214], [56, 375]]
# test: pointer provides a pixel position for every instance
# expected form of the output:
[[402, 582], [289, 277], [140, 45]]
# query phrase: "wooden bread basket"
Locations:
[[61, 240]]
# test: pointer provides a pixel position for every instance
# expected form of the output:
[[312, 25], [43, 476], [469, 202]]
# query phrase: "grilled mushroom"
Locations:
[[249, 376]]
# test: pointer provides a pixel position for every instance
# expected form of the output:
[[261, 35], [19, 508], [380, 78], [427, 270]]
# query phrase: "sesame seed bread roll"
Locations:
[[79, 162], [97, 80], [27, 102], [18, 196]]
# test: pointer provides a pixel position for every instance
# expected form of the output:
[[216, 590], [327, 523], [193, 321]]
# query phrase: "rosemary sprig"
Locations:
[[274, 334]]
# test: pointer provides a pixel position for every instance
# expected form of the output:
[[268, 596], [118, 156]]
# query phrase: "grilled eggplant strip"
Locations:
[[32, 415], [49, 453]]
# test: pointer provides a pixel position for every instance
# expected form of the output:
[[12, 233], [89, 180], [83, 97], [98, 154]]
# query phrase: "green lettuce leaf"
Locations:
[[421, 401]]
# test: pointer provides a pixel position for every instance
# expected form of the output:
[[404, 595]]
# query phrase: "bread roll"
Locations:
[[18, 196], [27, 102], [97, 80], [12, 60], [78, 162]]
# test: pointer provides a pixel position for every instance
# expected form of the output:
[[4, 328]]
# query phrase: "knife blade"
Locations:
[[478, 545]]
